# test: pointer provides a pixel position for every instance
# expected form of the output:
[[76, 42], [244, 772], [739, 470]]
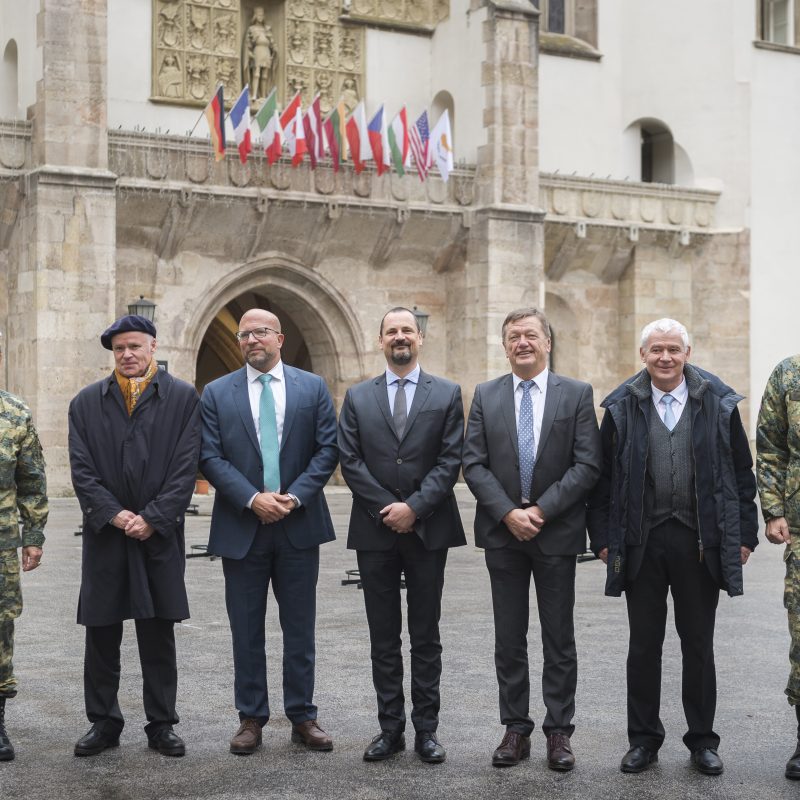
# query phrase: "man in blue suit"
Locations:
[[269, 448]]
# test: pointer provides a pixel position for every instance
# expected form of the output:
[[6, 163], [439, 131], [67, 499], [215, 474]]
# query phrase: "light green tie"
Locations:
[[268, 425]]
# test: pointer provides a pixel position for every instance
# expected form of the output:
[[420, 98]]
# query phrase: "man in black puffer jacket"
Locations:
[[673, 511]]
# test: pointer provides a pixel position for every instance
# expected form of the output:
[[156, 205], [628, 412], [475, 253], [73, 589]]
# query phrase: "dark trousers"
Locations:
[[293, 574], [381, 572], [671, 563], [101, 670], [510, 570]]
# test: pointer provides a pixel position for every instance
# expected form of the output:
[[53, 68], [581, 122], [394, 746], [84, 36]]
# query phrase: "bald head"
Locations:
[[260, 339]]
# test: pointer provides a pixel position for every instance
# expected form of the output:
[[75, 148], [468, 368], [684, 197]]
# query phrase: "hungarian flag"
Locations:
[[336, 134], [269, 124], [296, 138], [398, 141], [442, 146], [418, 140], [379, 141], [240, 118], [312, 127], [213, 113], [358, 138]]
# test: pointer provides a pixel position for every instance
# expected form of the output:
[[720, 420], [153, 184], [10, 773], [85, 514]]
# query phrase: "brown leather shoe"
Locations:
[[559, 752], [512, 750], [311, 735], [247, 739]]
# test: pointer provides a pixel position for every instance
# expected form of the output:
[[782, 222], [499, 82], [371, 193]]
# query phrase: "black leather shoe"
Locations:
[[638, 759], [167, 742], [512, 749], [428, 748], [94, 742], [793, 765], [559, 752], [384, 745], [707, 761]]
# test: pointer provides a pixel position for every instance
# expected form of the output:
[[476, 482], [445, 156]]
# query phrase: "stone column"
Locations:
[[505, 254], [62, 251]]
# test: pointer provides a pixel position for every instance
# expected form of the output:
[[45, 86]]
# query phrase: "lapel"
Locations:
[[508, 411], [421, 395], [290, 378], [550, 406], [382, 400], [241, 398]]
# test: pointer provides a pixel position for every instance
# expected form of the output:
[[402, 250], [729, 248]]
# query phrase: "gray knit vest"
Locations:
[[669, 490]]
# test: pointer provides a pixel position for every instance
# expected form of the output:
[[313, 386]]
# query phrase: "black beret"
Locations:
[[126, 324]]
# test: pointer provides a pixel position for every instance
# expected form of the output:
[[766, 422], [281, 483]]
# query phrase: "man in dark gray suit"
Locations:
[[400, 438], [269, 447], [531, 455]]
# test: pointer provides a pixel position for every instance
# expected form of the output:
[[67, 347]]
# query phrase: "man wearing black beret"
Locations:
[[134, 441]]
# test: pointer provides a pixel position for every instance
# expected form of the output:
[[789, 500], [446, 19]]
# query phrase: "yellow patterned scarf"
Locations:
[[132, 388]]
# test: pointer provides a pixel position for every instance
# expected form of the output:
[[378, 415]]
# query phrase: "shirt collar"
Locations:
[[540, 380], [277, 372], [412, 377], [680, 392]]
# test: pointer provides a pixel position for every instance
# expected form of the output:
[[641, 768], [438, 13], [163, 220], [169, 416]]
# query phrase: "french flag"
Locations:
[[240, 118]]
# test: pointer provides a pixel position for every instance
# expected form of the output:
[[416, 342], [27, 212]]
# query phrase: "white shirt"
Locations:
[[681, 395], [412, 379], [537, 398], [278, 386]]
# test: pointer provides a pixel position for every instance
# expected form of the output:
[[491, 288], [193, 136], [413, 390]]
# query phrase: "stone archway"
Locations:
[[321, 331]]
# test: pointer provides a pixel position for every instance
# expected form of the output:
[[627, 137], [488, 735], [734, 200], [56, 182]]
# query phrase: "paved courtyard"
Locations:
[[756, 724]]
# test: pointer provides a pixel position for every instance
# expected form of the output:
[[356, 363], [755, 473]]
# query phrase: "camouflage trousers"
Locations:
[[10, 609], [791, 599]]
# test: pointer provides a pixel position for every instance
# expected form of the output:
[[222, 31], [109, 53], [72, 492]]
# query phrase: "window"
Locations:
[[778, 22], [8, 82], [568, 27]]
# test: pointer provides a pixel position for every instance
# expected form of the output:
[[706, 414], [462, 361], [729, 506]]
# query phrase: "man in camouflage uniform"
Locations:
[[778, 472], [23, 493]]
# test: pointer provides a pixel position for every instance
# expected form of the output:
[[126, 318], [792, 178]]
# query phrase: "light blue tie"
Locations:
[[527, 446], [669, 416], [268, 426]]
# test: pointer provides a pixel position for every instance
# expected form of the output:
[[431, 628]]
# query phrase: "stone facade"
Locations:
[[91, 219]]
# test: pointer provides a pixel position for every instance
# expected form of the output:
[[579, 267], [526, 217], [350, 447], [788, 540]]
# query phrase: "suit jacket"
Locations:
[[230, 458], [419, 468], [568, 460]]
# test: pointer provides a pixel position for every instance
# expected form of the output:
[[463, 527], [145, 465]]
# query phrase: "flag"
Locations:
[[216, 124], [335, 133], [287, 118], [240, 118], [296, 137], [418, 140], [379, 141], [357, 137], [442, 145], [269, 123], [312, 127], [398, 141]]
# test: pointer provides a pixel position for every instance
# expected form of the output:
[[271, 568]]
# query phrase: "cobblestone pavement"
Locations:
[[753, 718]]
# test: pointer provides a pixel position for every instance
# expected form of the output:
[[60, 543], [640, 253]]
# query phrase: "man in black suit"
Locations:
[[531, 455], [400, 438]]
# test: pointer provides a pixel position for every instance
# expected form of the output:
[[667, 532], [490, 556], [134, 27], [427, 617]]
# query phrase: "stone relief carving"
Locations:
[[424, 14], [298, 43], [195, 47], [259, 54]]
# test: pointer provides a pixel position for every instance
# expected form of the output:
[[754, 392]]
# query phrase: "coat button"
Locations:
[[399, 460]]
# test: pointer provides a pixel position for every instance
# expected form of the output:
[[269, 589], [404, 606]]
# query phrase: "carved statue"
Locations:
[[258, 55], [349, 94], [325, 90], [170, 77]]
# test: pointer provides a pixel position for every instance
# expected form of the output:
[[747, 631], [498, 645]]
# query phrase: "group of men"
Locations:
[[665, 487]]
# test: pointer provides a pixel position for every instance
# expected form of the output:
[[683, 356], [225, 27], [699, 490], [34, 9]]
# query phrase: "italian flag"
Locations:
[[269, 123]]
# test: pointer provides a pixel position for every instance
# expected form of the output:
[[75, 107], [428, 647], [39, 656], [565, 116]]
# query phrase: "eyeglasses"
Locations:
[[259, 333]]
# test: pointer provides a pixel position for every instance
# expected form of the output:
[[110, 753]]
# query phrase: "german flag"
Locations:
[[214, 114]]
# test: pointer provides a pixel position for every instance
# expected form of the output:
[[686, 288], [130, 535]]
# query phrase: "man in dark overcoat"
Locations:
[[134, 442]]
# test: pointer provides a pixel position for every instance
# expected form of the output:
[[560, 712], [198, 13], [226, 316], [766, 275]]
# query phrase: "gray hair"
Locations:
[[665, 325]]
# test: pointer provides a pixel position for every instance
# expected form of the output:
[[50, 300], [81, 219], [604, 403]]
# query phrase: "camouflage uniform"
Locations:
[[778, 472], [23, 493]]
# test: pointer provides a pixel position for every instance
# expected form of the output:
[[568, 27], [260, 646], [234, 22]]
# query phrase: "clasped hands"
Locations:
[[524, 523], [400, 517], [272, 506], [133, 525]]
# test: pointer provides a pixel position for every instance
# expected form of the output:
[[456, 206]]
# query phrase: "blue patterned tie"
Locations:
[[669, 415], [527, 446], [268, 425]]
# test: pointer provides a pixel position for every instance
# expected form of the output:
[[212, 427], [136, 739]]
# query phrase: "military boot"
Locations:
[[793, 764], [6, 748]]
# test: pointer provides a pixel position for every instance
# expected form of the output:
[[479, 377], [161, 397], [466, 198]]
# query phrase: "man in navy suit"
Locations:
[[269, 448], [400, 438]]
